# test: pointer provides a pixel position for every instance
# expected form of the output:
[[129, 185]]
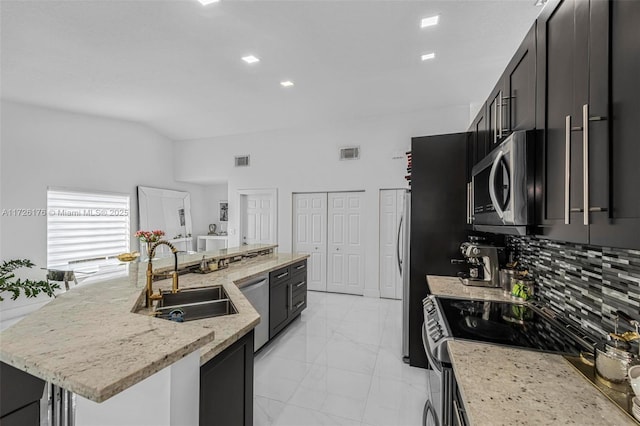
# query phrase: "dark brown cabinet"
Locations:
[[479, 136], [511, 105], [20, 395], [587, 115], [287, 295], [519, 103], [226, 386], [563, 88], [614, 150]]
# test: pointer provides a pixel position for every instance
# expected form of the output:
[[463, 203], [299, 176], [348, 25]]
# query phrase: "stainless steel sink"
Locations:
[[193, 295], [195, 304]]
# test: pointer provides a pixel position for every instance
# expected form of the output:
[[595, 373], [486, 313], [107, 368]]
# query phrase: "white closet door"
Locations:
[[258, 215], [310, 236], [391, 202], [345, 263]]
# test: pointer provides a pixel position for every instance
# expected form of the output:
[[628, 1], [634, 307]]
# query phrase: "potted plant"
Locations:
[[8, 282], [149, 237]]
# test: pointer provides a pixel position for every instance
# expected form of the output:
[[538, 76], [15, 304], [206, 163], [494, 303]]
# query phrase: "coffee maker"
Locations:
[[483, 262]]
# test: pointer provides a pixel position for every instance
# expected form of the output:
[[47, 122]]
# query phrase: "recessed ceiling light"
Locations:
[[250, 59], [430, 21], [206, 2], [428, 56], [287, 83]]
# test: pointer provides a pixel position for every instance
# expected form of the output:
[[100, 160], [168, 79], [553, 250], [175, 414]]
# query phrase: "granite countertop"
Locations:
[[452, 287], [90, 341], [507, 386]]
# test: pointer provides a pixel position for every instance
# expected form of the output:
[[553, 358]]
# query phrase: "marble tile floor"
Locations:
[[340, 363]]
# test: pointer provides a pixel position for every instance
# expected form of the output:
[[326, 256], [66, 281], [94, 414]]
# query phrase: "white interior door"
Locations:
[[345, 261], [310, 236], [391, 241], [258, 218]]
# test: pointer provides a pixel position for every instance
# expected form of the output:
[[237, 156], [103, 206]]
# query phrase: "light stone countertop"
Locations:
[[444, 286], [89, 340], [510, 386]]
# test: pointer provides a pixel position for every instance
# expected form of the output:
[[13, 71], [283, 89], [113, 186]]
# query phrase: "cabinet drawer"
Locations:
[[279, 275], [299, 284], [300, 267], [299, 302]]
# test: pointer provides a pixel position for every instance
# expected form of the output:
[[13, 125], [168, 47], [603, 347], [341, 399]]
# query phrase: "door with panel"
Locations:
[[613, 152], [345, 248], [258, 219], [562, 89], [310, 235], [391, 242], [520, 103]]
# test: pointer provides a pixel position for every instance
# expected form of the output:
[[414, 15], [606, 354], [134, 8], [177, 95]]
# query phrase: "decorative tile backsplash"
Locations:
[[585, 283]]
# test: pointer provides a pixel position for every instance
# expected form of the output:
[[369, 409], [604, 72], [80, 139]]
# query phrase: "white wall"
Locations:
[[44, 147], [214, 195], [305, 160]]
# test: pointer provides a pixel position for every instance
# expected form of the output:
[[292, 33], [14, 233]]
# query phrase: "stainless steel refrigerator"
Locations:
[[403, 248]]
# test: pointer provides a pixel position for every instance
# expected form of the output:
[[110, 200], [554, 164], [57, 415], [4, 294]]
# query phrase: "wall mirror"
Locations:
[[169, 211]]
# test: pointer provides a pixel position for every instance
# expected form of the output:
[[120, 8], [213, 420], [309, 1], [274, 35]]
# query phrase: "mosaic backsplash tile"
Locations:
[[585, 283]]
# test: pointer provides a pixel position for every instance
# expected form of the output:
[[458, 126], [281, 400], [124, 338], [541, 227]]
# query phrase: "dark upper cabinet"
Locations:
[[511, 103], [495, 115], [614, 147], [587, 113], [513, 100], [479, 137], [562, 90], [519, 104]]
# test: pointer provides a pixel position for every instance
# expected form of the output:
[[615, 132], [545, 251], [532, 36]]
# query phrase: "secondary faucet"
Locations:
[[174, 287]]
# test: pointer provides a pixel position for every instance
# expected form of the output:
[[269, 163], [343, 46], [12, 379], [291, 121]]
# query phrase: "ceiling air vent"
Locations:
[[242, 161], [350, 153]]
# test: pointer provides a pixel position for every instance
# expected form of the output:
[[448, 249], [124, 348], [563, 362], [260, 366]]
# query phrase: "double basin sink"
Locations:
[[194, 304]]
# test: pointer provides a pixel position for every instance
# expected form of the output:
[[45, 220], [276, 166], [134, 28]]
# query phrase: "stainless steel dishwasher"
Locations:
[[256, 290]]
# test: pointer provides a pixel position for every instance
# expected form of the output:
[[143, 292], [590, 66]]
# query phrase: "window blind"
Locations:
[[86, 226]]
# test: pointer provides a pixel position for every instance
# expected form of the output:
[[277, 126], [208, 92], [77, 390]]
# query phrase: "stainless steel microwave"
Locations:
[[503, 187]]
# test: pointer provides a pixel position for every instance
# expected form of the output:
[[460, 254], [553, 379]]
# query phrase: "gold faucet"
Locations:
[[174, 287]]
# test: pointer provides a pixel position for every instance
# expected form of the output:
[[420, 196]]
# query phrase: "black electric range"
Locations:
[[528, 326], [525, 325]]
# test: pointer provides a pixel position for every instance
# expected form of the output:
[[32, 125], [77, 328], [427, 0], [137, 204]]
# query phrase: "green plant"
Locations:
[[31, 288]]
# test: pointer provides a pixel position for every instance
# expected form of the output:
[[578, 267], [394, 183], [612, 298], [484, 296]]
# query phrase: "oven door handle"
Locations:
[[492, 185], [425, 342], [429, 409]]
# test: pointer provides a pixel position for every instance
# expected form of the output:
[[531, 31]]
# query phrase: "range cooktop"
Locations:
[[504, 323]]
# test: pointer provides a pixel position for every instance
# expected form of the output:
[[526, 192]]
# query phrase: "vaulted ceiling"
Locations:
[[176, 65]]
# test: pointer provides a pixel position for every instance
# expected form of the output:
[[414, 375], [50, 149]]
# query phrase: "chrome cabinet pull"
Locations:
[[284, 274], [300, 284], [585, 161], [299, 267], [299, 305], [500, 115], [290, 297], [495, 122], [567, 167]]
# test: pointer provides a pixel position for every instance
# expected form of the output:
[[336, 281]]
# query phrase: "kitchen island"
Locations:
[[92, 342], [503, 385]]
